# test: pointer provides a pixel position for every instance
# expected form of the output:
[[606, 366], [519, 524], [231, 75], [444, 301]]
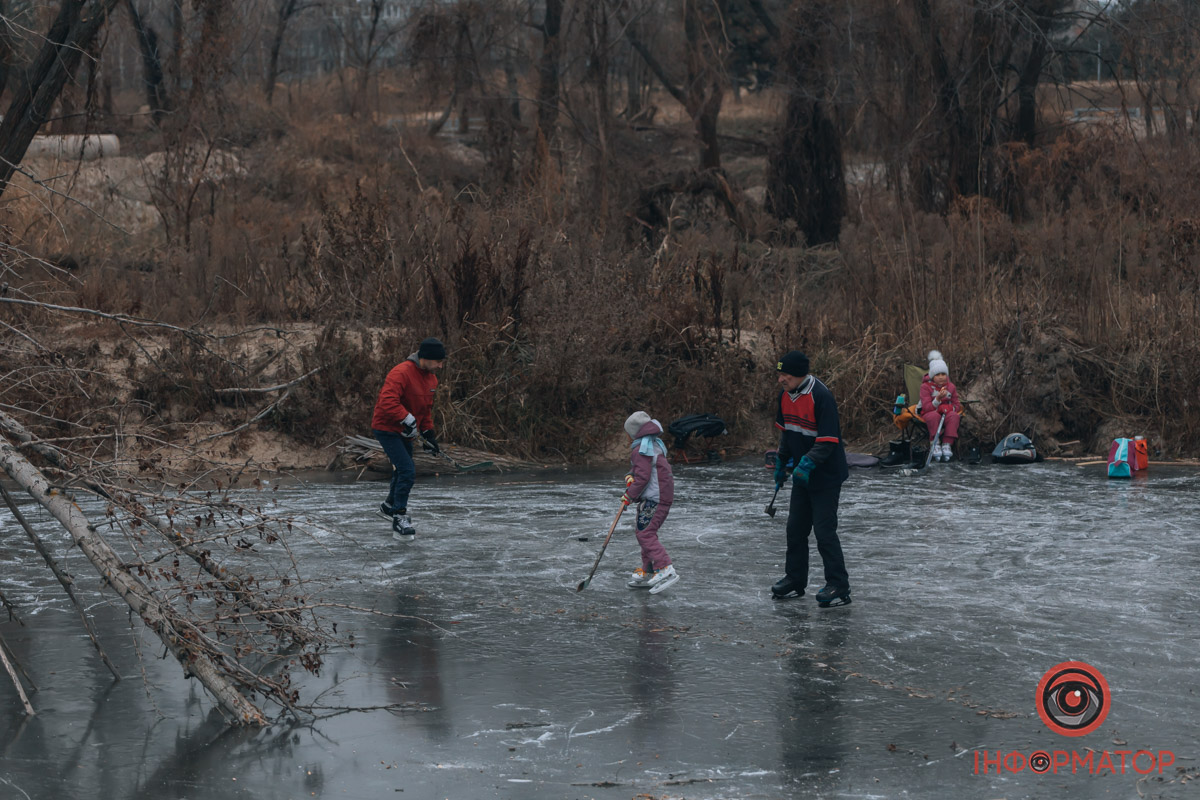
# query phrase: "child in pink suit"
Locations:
[[939, 399], [651, 486]]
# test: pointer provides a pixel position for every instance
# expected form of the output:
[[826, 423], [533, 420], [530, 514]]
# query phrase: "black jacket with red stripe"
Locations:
[[808, 419]]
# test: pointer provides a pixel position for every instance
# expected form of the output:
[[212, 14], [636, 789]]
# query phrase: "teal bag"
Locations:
[[1118, 459]]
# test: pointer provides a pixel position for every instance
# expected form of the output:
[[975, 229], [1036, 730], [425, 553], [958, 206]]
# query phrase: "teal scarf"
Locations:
[[647, 445]]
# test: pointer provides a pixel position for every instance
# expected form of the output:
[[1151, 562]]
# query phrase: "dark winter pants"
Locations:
[[399, 452], [815, 510]]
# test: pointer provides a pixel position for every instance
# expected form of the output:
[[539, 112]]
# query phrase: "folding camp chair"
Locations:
[[914, 433], [912, 446], [907, 416]]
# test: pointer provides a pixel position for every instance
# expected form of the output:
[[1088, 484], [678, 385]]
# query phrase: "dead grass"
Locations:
[[1074, 304]]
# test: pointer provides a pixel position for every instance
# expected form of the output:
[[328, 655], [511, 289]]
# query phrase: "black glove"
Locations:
[[431, 442], [408, 427]]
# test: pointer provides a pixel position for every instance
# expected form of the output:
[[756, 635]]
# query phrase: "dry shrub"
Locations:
[[1070, 300]]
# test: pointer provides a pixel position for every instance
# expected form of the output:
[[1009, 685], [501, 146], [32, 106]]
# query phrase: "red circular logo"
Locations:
[[1072, 698]]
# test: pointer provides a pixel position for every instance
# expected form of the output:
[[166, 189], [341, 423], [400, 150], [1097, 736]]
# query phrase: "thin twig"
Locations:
[[265, 389], [12, 610], [16, 680], [63, 578], [248, 423]]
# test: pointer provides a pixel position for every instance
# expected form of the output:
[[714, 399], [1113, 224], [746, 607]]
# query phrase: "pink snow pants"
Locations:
[[650, 517], [949, 430]]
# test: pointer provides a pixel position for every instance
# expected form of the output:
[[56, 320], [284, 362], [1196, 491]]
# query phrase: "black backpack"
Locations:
[[707, 425]]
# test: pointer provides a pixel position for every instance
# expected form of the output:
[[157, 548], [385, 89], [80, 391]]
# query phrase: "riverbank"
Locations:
[[1067, 315]]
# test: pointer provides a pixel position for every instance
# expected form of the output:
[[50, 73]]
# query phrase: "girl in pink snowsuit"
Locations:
[[651, 485], [939, 398]]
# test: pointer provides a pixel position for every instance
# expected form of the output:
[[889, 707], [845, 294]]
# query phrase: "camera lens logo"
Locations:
[[1072, 698], [1039, 762]]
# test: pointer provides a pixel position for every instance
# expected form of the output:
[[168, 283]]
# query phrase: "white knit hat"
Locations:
[[635, 422], [937, 364]]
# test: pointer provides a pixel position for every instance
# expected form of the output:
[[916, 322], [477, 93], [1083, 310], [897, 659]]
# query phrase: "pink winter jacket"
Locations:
[[933, 398], [652, 477]]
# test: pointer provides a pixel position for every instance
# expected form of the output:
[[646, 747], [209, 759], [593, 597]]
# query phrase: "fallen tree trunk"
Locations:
[[231, 578], [182, 638], [64, 579]]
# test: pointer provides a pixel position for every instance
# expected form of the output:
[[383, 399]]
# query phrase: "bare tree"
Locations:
[[366, 31], [805, 171], [702, 88], [75, 26], [202, 565], [285, 12], [548, 80], [156, 90], [1161, 44]]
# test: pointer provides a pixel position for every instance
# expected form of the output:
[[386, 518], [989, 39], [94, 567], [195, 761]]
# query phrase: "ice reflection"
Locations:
[[651, 678], [409, 661], [812, 735]]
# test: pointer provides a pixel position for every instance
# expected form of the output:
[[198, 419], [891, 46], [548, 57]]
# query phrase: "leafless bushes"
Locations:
[[1086, 284]]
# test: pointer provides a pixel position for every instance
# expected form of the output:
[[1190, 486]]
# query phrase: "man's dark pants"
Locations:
[[399, 451], [815, 510]]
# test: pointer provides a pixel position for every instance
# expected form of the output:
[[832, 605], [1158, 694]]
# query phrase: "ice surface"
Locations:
[[969, 583]]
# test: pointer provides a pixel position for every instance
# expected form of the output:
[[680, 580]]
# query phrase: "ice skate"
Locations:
[[663, 578], [385, 511], [786, 587], [402, 528], [639, 579], [833, 596]]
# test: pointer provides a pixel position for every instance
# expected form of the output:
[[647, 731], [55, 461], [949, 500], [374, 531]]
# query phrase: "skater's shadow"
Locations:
[[813, 710]]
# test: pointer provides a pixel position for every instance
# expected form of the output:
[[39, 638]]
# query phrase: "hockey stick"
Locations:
[[583, 584], [770, 509], [468, 468]]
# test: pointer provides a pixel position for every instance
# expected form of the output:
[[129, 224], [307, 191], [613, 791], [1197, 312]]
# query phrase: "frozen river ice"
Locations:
[[969, 583]]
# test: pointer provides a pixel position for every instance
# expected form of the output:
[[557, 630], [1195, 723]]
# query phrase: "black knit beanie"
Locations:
[[432, 349], [795, 364]]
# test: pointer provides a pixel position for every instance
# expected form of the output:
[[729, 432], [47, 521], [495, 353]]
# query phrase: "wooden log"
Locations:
[[365, 453]]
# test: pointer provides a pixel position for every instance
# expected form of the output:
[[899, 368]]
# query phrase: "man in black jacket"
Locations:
[[810, 436]]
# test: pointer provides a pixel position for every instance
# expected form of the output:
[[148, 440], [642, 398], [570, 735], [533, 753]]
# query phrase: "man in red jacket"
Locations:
[[404, 411]]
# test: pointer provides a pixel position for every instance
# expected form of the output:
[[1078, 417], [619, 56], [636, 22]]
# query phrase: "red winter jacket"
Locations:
[[408, 389], [933, 398]]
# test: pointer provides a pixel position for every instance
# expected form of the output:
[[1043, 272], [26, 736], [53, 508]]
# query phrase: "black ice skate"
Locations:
[[402, 528], [833, 596], [786, 587]]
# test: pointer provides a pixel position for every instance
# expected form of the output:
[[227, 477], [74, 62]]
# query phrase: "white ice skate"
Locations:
[[639, 579], [663, 578]]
